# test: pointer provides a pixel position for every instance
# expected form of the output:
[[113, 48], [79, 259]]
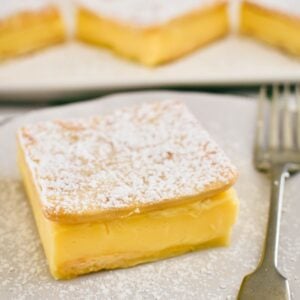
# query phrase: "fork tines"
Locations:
[[278, 122]]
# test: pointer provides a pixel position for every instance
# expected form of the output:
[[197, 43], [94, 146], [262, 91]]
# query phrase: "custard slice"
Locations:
[[27, 26], [136, 185], [151, 32], [275, 22]]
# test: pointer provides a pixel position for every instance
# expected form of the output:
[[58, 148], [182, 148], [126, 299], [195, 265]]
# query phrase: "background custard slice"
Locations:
[[136, 185], [151, 32], [275, 22], [26, 26]]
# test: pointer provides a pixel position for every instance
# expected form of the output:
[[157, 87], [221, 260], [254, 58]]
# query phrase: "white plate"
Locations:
[[76, 70], [210, 274]]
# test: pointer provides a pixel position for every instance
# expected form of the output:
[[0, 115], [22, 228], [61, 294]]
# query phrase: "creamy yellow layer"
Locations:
[[27, 32], [155, 45], [274, 28], [74, 249]]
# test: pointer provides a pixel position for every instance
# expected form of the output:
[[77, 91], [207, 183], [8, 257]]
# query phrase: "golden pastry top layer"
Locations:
[[145, 13], [291, 7], [135, 159], [13, 7]]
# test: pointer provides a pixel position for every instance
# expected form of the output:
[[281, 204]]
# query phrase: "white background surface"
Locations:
[[210, 274]]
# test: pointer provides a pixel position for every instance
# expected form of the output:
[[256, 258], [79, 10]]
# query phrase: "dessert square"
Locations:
[[274, 22], [136, 185], [27, 26], [151, 32]]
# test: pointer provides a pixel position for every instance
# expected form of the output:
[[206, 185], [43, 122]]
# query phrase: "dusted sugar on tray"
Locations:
[[275, 22], [136, 185], [151, 32], [29, 25]]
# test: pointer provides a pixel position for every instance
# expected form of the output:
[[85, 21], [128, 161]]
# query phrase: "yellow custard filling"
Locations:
[[27, 32], [74, 249], [156, 44], [116, 190], [272, 27]]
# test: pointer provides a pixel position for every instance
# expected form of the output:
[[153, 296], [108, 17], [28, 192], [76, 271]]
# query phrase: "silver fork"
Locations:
[[276, 151]]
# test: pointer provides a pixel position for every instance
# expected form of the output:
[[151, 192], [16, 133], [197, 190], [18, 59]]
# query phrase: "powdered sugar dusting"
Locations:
[[144, 13], [291, 7], [135, 156], [11, 7]]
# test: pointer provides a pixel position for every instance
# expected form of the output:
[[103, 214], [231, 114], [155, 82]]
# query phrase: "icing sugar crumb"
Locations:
[[144, 13], [135, 156]]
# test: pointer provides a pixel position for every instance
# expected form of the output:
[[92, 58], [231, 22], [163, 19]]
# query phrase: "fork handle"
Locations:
[[266, 283], [270, 254]]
